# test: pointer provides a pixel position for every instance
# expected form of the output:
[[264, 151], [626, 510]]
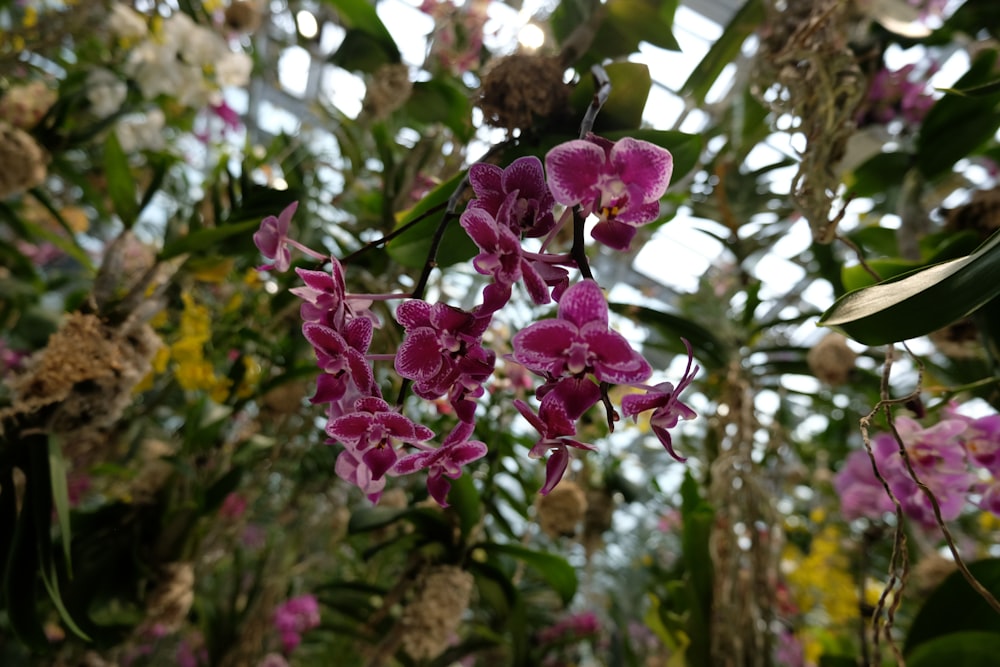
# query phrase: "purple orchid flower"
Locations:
[[341, 358], [350, 468], [501, 256], [579, 341], [444, 462], [372, 432], [556, 427], [529, 211], [620, 182], [861, 494], [272, 238], [325, 299], [443, 350], [667, 408], [938, 459]]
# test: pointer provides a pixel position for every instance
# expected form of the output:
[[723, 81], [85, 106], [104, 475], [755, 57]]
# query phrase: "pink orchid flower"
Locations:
[[620, 182]]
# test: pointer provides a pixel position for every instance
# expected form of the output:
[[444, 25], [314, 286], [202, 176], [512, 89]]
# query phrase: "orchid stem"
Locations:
[[602, 89], [579, 250], [393, 234]]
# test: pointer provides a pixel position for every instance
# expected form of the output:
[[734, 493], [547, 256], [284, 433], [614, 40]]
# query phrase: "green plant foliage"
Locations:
[[918, 302]]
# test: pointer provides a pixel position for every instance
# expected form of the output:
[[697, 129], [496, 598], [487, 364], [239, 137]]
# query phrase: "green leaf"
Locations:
[[698, 519], [60, 495], [65, 242], [961, 649], [957, 125], [975, 91], [879, 173], [360, 52], [954, 607], [744, 23], [919, 302], [708, 349], [441, 101], [121, 183], [555, 570], [412, 247], [361, 20], [630, 85], [206, 238], [935, 248], [464, 500]]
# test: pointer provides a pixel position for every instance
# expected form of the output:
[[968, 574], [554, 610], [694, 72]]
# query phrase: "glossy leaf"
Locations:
[[724, 51], [630, 86], [957, 125], [361, 16], [412, 247], [949, 246], [962, 649], [955, 607], [441, 101], [121, 183], [360, 52], [60, 495], [670, 328], [918, 302], [209, 237], [555, 570]]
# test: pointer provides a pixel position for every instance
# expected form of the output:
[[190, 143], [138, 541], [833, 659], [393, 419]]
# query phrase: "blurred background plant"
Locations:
[[167, 496]]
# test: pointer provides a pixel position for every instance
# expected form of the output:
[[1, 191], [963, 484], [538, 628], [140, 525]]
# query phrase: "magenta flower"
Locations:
[[861, 494], [341, 358], [501, 256], [579, 341], [556, 427], [443, 352], [444, 462], [373, 432], [666, 406], [325, 298], [272, 238], [620, 182], [519, 190], [294, 617], [350, 468]]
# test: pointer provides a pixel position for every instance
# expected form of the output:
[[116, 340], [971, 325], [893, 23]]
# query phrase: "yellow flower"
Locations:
[[821, 580], [30, 19]]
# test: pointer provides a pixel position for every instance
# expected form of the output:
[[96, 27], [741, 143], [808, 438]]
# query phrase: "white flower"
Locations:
[[105, 92], [233, 69], [138, 132], [126, 23]]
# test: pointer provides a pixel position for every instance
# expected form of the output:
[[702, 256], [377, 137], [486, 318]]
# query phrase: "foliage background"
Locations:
[[164, 482]]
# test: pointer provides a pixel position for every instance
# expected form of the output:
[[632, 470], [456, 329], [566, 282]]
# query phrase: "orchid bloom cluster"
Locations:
[[958, 459], [443, 354], [895, 94], [293, 617]]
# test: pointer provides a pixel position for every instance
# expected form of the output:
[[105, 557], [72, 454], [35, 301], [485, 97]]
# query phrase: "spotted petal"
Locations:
[[584, 304], [643, 166], [574, 169]]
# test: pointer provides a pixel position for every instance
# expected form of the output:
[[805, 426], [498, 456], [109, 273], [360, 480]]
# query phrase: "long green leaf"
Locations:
[[361, 14], [962, 649], [919, 302], [412, 247], [555, 570], [60, 495], [955, 607], [206, 238], [724, 51], [121, 184], [957, 125]]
